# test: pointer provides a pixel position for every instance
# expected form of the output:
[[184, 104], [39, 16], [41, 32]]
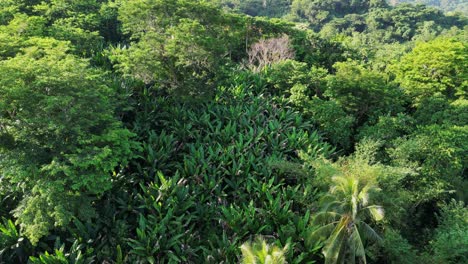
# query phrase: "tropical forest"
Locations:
[[233, 131]]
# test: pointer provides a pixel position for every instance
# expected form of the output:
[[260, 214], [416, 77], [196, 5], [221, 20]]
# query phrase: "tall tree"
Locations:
[[60, 142], [176, 45], [436, 67], [362, 92]]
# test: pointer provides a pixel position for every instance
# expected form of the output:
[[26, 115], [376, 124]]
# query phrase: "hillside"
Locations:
[[224, 131], [444, 5]]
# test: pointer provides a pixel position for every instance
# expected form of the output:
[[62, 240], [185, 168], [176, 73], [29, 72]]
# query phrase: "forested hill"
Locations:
[[445, 5], [285, 8], [400, 21], [226, 131]]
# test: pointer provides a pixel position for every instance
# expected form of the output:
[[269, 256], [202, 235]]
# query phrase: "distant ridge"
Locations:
[[444, 5]]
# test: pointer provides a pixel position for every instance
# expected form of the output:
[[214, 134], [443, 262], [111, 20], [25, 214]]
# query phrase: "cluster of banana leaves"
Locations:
[[209, 176]]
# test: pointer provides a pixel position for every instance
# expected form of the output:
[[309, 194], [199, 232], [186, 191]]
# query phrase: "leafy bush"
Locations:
[[450, 243], [75, 255], [165, 232], [64, 142]]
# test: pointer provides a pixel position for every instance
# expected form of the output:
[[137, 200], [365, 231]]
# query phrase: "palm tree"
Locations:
[[262, 253], [343, 220]]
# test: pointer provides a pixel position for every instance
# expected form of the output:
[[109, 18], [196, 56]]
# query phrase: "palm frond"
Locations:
[[369, 233], [342, 184], [377, 212], [321, 233], [335, 244], [364, 195], [248, 256], [328, 206], [357, 247], [325, 217], [261, 252], [278, 255], [262, 249], [344, 203]]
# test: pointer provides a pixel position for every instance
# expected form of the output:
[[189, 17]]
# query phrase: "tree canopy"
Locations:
[[227, 131]]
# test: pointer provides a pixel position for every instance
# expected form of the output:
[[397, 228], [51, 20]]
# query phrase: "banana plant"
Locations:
[[14, 248], [77, 254]]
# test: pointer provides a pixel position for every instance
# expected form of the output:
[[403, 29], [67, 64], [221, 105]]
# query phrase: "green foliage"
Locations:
[[450, 242], [363, 93], [347, 213], [283, 76], [332, 121], [328, 116], [364, 164], [396, 249], [80, 22], [317, 51], [194, 40], [439, 110], [75, 21], [175, 44], [435, 67], [14, 33], [74, 255], [439, 174], [343, 218], [317, 12], [404, 22], [165, 233], [64, 141], [448, 6], [223, 149], [259, 252], [268, 8], [7, 10], [12, 245], [388, 128], [224, 154]]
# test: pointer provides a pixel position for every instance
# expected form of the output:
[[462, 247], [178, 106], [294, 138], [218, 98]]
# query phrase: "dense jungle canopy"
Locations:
[[233, 131]]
